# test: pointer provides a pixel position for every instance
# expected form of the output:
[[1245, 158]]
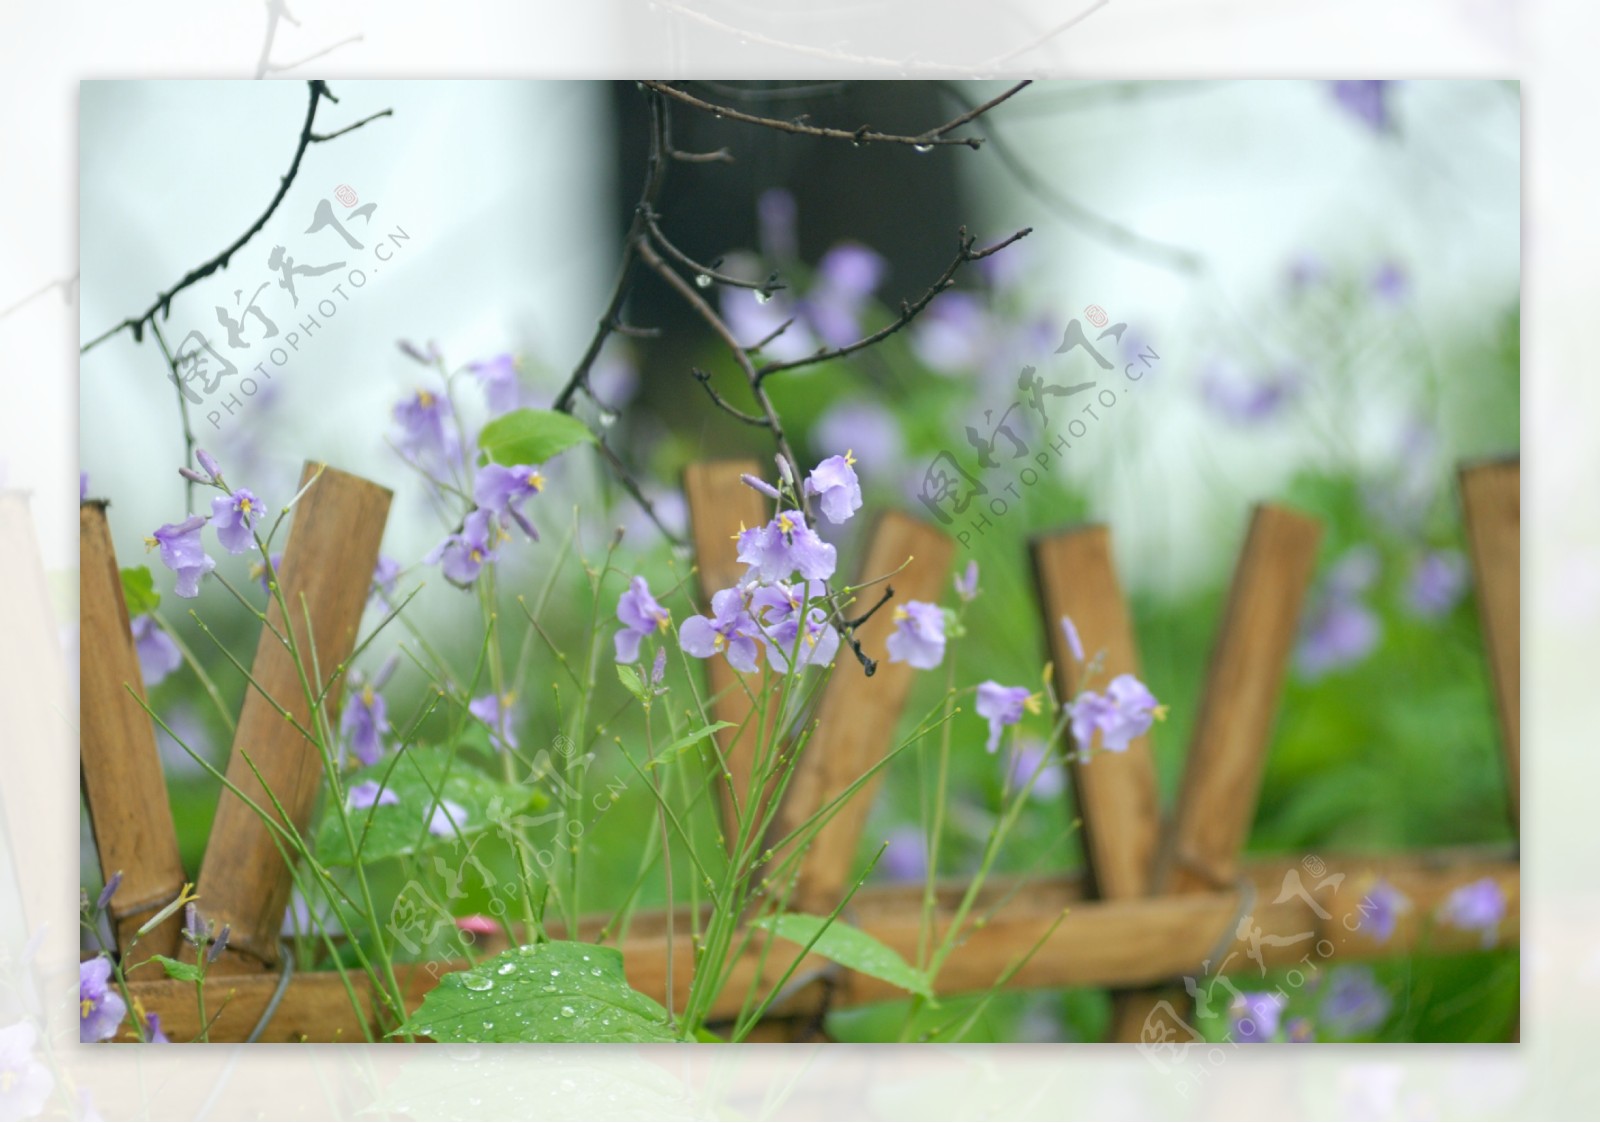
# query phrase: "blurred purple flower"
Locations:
[[504, 490], [1247, 399], [641, 615], [1437, 583], [1341, 630], [83, 493], [865, 427], [233, 517], [182, 553], [1480, 905], [847, 276], [1255, 1016], [153, 1033], [25, 1083], [363, 722], [261, 575], [836, 487], [918, 636], [954, 335], [786, 546], [1380, 910], [1035, 756], [966, 583], [1367, 102], [158, 655], [384, 576], [367, 794], [1002, 706], [730, 630], [1125, 711], [1390, 285], [1074, 642], [1354, 1002], [426, 427], [461, 557], [501, 714], [1305, 270], [776, 216], [614, 378], [100, 1008], [427, 357], [446, 818], [498, 377], [1300, 1031], [905, 858]]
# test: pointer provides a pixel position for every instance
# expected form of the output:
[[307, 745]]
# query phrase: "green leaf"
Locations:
[[531, 436], [399, 828], [848, 947], [139, 590], [687, 741], [630, 682], [557, 991], [186, 972]]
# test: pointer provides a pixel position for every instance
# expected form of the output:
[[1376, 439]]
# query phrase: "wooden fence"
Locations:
[[1163, 897]]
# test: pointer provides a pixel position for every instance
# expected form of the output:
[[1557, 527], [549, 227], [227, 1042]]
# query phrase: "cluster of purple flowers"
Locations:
[[234, 515], [499, 492], [445, 817]]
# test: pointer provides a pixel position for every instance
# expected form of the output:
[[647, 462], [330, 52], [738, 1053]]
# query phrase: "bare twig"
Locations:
[[908, 310], [163, 302], [726, 406], [865, 134], [765, 288], [66, 284]]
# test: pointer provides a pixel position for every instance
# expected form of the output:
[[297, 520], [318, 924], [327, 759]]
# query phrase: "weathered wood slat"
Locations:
[[857, 715], [720, 506], [121, 766], [1491, 494], [326, 576], [1117, 943]]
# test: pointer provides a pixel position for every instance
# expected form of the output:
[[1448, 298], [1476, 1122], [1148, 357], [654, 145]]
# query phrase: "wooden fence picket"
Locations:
[[1491, 494]]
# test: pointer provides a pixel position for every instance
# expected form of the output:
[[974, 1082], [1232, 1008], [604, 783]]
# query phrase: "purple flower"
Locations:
[[1306, 269], [498, 377], [954, 335], [501, 714], [1300, 1031], [966, 584], [446, 818], [461, 557], [1255, 1015], [730, 629], [1390, 285], [775, 218], [1480, 905], [1126, 710], [504, 490], [260, 574], [158, 655], [367, 794], [1341, 630], [1367, 102], [1437, 583], [1248, 399], [1380, 910], [153, 1033], [641, 615], [1074, 642], [384, 576], [100, 1007], [233, 516], [865, 427], [838, 490], [1003, 706], [1034, 760], [426, 430], [778, 610], [905, 857], [1354, 1002], [25, 1084], [182, 553], [918, 637], [365, 718], [83, 493], [108, 891], [752, 321], [786, 546]]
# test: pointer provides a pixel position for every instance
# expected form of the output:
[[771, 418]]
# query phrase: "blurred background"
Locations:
[[1327, 272]]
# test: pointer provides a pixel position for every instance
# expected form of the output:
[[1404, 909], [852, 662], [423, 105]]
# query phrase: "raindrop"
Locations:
[[554, 973], [507, 968], [476, 982], [703, 280], [922, 148], [762, 296], [608, 418], [567, 1011], [595, 971]]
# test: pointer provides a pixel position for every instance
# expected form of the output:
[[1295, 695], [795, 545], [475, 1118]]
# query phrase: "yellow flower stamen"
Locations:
[[244, 507], [850, 457], [1160, 712], [901, 614], [86, 1007], [366, 695], [1031, 703], [424, 399]]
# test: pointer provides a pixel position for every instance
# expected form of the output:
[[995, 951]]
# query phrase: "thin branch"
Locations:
[[720, 156], [888, 594], [163, 302], [863, 135], [908, 311], [65, 284], [979, 110], [765, 288], [726, 406], [322, 138]]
